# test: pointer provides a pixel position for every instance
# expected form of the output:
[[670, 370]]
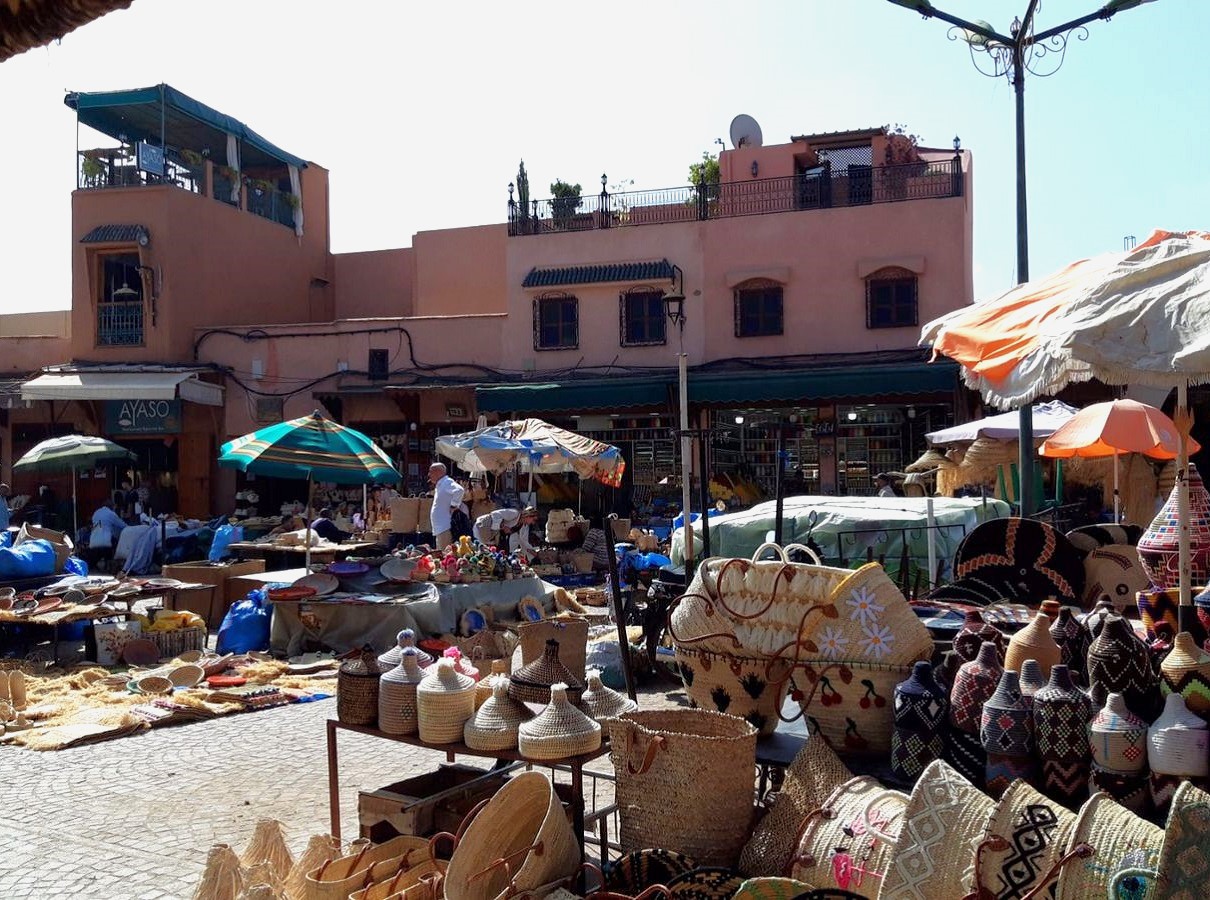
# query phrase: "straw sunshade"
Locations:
[[810, 779], [26, 24], [397, 707], [268, 846], [601, 702], [445, 699], [223, 878], [494, 725], [559, 731], [1119, 840], [522, 815]]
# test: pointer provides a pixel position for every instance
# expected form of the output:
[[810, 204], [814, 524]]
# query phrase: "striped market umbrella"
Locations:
[[312, 447], [71, 453]]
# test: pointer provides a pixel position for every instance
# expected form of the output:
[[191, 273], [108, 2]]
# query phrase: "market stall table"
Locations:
[[280, 556]]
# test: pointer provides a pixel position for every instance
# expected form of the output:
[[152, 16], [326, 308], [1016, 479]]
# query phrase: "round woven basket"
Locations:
[[445, 699], [601, 702], [483, 687], [1119, 840], [521, 816], [531, 683], [494, 725], [357, 689], [1026, 836], [559, 731], [405, 639], [1186, 671], [397, 711], [749, 687], [1118, 738]]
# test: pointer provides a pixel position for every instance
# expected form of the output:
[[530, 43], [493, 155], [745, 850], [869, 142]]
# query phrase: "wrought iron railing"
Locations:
[[120, 323], [115, 167], [816, 189], [270, 203]]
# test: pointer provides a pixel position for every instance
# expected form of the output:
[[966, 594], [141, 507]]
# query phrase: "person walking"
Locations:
[[447, 497]]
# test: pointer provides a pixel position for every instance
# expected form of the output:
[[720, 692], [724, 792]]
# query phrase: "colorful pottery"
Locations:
[[1158, 610], [1114, 573], [1061, 716], [1073, 640], [1118, 662], [1118, 738], [921, 703], [1033, 642], [975, 683], [1158, 547], [1186, 671], [1006, 726], [974, 631]]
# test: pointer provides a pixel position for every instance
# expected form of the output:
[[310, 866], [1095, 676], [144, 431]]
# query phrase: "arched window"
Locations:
[[556, 321], [758, 308], [641, 317], [891, 298]]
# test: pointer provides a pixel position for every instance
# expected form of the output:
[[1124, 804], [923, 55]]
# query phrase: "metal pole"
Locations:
[[1026, 462], [704, 482], [619, 610], [778, 488], [931, 522], [686, 461], [1187, 620]]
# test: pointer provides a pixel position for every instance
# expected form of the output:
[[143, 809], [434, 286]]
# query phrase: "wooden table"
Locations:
[[574, 764], [280, 557]]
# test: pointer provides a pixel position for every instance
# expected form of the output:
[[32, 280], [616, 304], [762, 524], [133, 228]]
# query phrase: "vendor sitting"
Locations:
[[326, 528], [490, 527], [107, 525]]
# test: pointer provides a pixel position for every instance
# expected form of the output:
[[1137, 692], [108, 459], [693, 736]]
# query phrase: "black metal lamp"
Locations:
[[674, 300]]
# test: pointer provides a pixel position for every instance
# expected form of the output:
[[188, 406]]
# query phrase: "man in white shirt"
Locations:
[[487, 527], [447, 496], [520, 539]]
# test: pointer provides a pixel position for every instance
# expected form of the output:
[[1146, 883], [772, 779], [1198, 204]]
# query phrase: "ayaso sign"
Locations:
[[142, 417]]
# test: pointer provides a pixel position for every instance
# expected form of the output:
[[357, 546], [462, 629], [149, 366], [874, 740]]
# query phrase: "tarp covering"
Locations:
[[534, 446]]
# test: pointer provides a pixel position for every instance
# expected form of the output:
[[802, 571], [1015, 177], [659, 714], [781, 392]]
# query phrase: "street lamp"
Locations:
[[1011, 55], [674, 308]]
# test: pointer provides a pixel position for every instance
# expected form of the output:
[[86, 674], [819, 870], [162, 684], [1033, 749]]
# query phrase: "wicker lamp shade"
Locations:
[[494, 725], [1186, 671], [601, 702], [559, 731], [403, 640], [357, 689], [397, 710], [445, 699], [1118, 662], [532, 682], [1034, 641], [1118, 738]]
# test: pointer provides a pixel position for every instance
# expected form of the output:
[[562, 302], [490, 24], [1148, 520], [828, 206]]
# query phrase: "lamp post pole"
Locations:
[[674, 307], [1039, 53]]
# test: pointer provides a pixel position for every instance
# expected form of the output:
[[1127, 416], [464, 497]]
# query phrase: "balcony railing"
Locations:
[[120, 323], [270, 203], [817, 189]]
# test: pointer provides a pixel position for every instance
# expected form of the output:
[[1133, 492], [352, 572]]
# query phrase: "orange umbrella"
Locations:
[[1119, 426]]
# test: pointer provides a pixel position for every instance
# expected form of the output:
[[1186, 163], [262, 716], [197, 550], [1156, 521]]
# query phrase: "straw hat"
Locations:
[[494, 725], [558, 731], [445, 699], [601, 702], [1026, 835], [1119, 840]]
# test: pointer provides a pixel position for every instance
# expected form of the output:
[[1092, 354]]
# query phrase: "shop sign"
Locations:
[[149, 158], [142, 417], [826, 428], [455, 411]]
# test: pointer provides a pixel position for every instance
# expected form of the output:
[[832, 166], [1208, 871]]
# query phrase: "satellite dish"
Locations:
[[745, 132]]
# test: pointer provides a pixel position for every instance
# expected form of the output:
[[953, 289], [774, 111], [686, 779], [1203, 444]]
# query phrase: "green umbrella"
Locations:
[[312, 447], [72, 452]]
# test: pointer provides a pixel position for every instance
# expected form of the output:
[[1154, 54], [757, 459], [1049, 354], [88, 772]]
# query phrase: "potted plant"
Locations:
[[902, 159]]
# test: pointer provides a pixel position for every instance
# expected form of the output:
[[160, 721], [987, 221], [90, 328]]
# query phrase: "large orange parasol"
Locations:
[[1119, 426]]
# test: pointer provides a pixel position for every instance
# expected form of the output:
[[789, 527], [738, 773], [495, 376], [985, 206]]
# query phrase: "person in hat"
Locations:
[[884, 484], [522, 538], [490, 527]]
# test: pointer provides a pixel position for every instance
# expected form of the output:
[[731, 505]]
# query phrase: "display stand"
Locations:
[[573, 764]]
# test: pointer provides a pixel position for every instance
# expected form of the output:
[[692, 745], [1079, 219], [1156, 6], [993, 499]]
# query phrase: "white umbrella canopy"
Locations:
[[1048, 418], [536, 447], [1135, 318]]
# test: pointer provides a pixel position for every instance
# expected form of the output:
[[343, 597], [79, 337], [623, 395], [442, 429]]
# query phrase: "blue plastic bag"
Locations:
[[30, 560], [75, 566], [225, 536], [246, 625], [6, 538]]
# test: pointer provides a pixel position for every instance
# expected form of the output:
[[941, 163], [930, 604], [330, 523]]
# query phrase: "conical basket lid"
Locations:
[[560, 720], [443, 678], [601, 702], [408, 671], [500, 712], [546, 670], [405, 639]]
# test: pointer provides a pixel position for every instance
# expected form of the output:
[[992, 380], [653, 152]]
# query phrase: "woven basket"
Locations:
[[1178, 742], [850, 702], [1034, 641], [497, 852], [582, 562], [174, 643], [809, 781], [1025, 840], [484, 648], [494, 725], [445, 700], [668, 798], [593, 597], [403, 640], [837, 850], [531, 683], [483, 687], [397, 709], [572, 635], [940, 828], [1184, 867], [1118, 738], [1186, 671], [336, 879], [559, 731], [418, 868], [601, 702], [748, 687], [1119, 840], [357, 689]]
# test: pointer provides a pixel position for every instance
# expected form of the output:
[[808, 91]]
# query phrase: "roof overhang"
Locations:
[[85, 385]]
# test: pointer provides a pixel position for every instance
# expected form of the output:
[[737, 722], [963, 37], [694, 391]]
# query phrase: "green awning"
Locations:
[[576, 396], [139, 115]]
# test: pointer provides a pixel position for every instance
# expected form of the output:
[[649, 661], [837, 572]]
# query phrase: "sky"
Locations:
[[421, 112]]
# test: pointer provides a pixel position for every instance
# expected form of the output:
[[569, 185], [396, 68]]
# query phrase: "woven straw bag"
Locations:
[[811, 778], [520, 840], [444, 700], [413, 869], [494, 724], [364, 865], [1023, 849], [837, 850], [572, 635], [1183, 870], [531, 683], [1119, 840], [667, 795], [850, 702], [559, 731], [397, 710], [939, 831], [357, 689], [749, 687], [601, 702]]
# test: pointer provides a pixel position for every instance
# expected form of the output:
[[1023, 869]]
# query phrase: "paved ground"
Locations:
[[132, 819]]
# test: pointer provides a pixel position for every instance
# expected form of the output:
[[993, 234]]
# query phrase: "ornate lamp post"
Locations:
[[1011, 55]]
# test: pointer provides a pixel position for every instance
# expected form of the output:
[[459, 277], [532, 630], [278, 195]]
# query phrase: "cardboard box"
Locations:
[[405, 515], [218, 575], [425, 804]]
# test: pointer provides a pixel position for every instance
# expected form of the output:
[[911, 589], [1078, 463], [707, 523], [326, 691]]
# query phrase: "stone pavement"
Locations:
[[132, 819]]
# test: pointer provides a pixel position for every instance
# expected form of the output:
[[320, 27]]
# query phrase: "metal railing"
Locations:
[[120, 323], [115, 167], [270, 203], [817, 189]]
